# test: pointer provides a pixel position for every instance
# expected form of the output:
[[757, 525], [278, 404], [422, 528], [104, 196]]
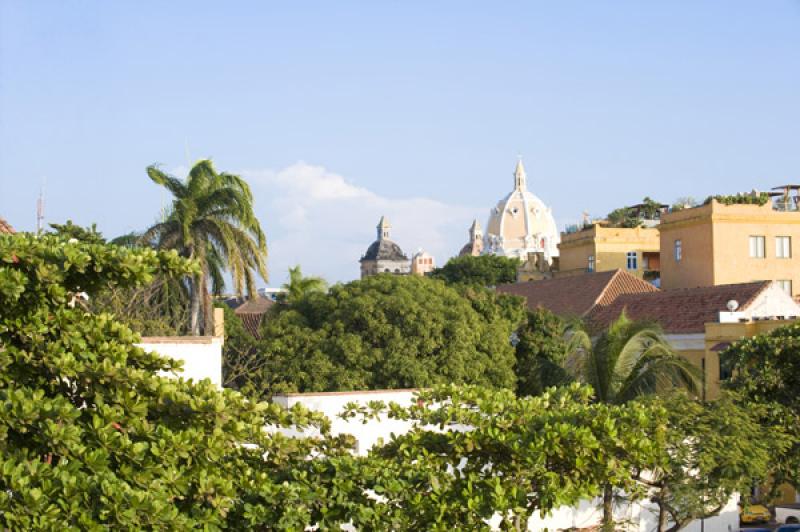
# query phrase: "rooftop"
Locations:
[[5, 227], [577, 295], [678, 311]]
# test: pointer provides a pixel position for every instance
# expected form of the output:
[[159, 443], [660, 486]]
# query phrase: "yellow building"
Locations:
[[721, 244], [599, 248]]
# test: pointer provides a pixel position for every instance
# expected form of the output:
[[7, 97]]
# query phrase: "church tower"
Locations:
[[383, 255], [475, 245]]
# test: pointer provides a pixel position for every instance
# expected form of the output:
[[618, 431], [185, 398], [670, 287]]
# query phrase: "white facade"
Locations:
[[201, 355], [332, 404], [521, 223]]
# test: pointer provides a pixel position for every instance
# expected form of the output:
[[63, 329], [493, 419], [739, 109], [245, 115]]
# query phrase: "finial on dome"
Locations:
[[520, 179], [383, 228]]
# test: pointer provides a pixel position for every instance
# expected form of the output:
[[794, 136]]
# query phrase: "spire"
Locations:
[[520, 179], [475, 231], [383, 228]]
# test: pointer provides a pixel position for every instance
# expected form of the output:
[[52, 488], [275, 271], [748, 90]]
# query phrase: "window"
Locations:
[[757, 247], [785, 285], [590, 267], [633, 262], [783, 247], [678, 250]]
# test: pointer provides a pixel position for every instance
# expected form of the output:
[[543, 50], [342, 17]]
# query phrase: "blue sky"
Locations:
[[339, 112]]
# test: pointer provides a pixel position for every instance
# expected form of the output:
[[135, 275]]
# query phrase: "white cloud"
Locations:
[[320, 220]]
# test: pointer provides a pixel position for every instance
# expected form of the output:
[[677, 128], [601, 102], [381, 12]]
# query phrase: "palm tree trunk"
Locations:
[[194, 306], [208, 313], [608, 508]]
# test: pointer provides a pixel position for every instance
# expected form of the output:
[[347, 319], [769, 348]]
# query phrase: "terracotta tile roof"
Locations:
[[5, 227], [575, 296], [678, 311], [252, 313]]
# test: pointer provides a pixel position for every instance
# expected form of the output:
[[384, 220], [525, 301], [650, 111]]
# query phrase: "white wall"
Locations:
[[332, 404], [201, 355]]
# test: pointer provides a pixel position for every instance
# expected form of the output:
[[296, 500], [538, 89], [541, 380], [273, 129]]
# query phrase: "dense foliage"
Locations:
[[91, 437], [156, 308], [211, 220], [390, 332], [514, 456], [483, 270], [761, 198], [650, 209], [713, 451], [541, 350], [766, 371]]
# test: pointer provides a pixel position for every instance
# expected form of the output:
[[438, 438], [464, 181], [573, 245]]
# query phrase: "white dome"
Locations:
[[521, 223]]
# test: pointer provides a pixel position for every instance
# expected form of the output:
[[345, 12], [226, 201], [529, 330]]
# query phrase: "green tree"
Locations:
[[765, 370], [69, 230], [541, 350], [242, 364], [91, 437], [211, 221], [713, 451], [483, 270], [627, 361], [157, 308], [299, 286], [477, 452], [390, 332]]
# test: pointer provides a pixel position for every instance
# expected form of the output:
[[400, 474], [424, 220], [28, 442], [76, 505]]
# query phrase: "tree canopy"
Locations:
[[483, 270], [713, 450], [92, 437], [479, 453], [541, 350], [390, 332], [765, 371]]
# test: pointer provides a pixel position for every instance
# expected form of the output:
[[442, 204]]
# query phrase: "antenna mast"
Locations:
[[40, 211]]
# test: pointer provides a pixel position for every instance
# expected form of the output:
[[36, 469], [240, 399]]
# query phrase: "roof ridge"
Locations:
[[762, 288], [603, 292]]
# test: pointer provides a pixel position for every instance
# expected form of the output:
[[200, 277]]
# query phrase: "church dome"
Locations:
[[384, 249], [521, 223]]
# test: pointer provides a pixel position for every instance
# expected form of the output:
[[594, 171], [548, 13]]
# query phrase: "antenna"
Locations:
[[40, 210]]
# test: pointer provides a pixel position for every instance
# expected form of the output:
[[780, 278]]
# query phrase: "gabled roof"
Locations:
[[252, 313], [5, 227], [577, 295], [679, 311]]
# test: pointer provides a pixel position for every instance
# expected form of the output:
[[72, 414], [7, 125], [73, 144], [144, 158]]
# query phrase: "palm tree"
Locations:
[[628, 360], [211, 220], [299, 286]]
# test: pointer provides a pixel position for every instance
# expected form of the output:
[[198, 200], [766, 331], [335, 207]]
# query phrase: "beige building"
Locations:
[[521, 223], [721, 244], [599, 249], [422, 263]]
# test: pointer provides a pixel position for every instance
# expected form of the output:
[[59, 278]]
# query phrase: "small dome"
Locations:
[[384, 249]]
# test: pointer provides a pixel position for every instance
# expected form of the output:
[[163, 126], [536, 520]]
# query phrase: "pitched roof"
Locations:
[[5, 227], [681, 310], [577, 295], [252, 313]]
